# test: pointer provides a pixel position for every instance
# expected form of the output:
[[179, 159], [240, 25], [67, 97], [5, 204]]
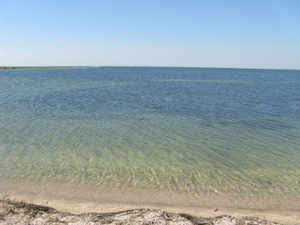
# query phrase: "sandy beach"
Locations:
[[83, 207]]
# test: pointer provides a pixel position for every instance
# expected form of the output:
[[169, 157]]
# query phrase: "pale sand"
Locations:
[[14, 212], [79, 201], [78, 207]]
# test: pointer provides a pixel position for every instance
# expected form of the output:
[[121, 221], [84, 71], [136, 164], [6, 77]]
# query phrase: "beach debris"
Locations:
[[13, 212]]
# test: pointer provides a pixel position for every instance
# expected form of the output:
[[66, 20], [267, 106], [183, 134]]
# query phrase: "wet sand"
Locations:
[[80, 207], [16, 212], [78, 201]]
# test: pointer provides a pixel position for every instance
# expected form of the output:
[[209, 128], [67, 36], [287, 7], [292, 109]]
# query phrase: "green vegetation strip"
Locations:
[[39, 67]]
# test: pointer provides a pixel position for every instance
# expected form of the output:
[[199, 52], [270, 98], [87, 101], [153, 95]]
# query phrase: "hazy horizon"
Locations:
[[186, 67], [214, 34]]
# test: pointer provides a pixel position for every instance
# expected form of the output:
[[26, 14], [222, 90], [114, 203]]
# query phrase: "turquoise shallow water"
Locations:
[[185, 131]]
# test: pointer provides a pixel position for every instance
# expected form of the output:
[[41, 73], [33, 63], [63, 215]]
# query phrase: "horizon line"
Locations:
[[192, 67]]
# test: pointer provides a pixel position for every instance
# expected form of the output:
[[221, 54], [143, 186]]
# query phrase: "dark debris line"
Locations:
[[12, 212]]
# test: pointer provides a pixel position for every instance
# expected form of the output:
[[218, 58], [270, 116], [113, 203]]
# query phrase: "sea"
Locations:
[[174, 136]]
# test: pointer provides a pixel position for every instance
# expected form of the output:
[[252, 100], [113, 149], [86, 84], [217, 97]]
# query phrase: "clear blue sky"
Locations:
[[245, 34]]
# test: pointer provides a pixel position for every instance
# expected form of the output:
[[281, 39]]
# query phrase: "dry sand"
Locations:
[[13, 212], [83, 213]]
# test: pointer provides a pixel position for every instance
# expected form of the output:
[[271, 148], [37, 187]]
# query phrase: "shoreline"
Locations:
[[135, 66], [16, 211], [77, 207], [81, 200], [39, 67]]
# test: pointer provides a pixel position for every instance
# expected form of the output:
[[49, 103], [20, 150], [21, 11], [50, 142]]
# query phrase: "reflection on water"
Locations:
[[195, 132]]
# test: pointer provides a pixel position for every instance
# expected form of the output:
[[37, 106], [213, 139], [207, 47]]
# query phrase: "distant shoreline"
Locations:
[[176, 67], [39, 67]]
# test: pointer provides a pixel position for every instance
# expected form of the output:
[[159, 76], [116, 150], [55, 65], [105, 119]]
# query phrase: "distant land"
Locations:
[[39, 67], [85, 67]]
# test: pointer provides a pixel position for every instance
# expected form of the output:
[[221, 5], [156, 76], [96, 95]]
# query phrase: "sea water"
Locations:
[[201, 133]]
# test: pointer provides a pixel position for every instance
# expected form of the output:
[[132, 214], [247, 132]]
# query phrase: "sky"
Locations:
[[186, 33]]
